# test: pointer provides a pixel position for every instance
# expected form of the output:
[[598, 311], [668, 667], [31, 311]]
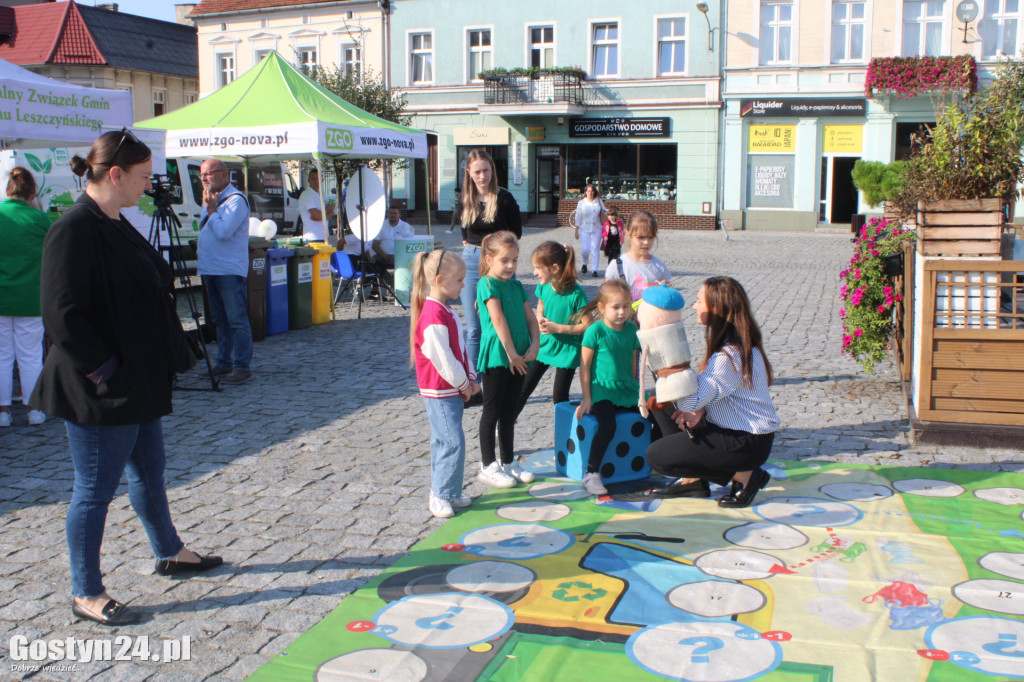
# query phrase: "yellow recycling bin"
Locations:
[[323, 294]]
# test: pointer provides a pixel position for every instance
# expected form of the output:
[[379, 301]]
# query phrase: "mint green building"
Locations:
[[639, 116]]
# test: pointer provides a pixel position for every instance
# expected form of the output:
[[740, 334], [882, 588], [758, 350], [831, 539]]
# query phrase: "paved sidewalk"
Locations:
[[314, 476]]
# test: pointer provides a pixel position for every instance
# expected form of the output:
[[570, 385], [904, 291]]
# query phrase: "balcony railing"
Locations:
[[544, 88]]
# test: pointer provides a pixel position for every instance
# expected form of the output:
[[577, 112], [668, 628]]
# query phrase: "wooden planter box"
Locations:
[[960, 228]]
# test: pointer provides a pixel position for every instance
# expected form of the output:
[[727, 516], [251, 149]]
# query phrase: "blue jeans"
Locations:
[[471, 257], [447, 446], [229, 312], [100, 454]]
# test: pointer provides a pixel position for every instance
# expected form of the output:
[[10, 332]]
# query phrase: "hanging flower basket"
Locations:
[[907, 77]]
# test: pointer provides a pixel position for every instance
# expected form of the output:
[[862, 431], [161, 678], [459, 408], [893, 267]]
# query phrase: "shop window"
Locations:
[[847, 31], [622, 171], [922, 27], [421, 54], [672, 47], [908, 138], [542, 46], [480, 52], [499, 154], [770, 180], [776, 32], [999, 27], [606, 50]]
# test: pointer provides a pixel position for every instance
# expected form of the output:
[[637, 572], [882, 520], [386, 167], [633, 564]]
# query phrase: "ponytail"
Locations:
[[22, 184], [416, 299], [552, 253]]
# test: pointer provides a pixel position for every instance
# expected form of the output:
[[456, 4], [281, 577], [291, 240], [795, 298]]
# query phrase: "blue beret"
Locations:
[[664, 297]]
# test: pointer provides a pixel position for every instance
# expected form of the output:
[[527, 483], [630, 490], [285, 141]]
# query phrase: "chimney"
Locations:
[[109, 6], [181, 13]]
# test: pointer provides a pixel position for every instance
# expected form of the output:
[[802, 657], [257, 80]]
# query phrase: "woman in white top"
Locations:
[[590, 216]]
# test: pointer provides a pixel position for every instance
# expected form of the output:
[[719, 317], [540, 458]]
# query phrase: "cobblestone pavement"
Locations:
[[313, 477]]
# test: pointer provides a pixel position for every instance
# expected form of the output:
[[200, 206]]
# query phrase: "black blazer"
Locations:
[[507, 218], [106, 293]]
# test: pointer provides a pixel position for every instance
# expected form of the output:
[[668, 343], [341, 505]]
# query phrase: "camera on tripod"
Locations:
[[164, 191]]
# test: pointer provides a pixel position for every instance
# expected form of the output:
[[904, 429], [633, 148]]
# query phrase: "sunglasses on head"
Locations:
[[125, 135]]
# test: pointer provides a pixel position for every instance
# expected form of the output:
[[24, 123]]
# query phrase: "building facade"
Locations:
[[797, 116], [103, 48], [234, 35], [628, 100]]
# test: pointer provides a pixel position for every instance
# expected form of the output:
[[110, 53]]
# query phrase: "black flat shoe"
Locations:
[[677, 489], [112, 613], [174, 567], [745, 495]]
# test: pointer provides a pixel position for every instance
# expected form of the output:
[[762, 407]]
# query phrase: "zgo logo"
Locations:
[[338, 139]]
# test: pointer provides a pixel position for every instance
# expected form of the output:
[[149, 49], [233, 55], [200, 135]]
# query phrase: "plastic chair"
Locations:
[[348, 276]]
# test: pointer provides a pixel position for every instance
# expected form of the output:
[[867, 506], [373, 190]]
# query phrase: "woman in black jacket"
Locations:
[[484, 208], [117, 343]]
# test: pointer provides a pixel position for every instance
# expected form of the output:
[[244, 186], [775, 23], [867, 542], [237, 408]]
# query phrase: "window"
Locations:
[[159, 102], [259, 55], [998, 28], [671, 46], [480, 52], [776, 31], [190, 98], [542, 46], [421, 54], [306, 56], [225, 69], [922, 27], [352, 59], [606, 50], [622, 171], [264, 23], [847, 31]]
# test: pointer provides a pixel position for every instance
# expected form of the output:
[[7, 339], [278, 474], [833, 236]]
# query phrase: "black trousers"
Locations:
[[604, 411], [714, 454], [563, 380], [502, 388]]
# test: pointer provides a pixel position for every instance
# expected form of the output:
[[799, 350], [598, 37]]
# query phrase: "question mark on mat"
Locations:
[[439, 622], [806, 509], [1005, 641], [702, 646]]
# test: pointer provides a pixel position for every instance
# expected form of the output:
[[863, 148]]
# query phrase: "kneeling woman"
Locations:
[[731, 417]]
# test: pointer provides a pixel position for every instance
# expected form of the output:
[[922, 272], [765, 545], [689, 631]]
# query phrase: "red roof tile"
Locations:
[[230, 6], [50, 33]]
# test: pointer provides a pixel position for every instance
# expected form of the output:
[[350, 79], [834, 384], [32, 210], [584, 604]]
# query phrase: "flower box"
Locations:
[[907, 77]]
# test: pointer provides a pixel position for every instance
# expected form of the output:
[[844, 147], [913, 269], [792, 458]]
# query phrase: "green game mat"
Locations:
[[837, 572]]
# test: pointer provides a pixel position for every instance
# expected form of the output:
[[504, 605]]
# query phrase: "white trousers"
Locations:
[[21, 339], [590, 249]]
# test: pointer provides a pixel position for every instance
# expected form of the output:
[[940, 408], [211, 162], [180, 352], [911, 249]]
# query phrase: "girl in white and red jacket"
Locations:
[[443, 373]]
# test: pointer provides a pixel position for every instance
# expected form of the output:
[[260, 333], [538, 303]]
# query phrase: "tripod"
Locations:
[[164, 220]]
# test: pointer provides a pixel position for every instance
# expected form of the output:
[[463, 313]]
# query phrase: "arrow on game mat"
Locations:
[[933, 654], [779, 568]]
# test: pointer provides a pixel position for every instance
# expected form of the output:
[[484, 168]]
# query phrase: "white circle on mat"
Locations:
[[1005, 496], [856, 492], [766, 535], [553, 490], [386, 665], [737, 564], [986, 644], [716, 598], [443, 621], [808, 511], [1001, 596], [533, 510], [703, 652], [490, 576], [1010, 564], [516, 541], [928, 487]]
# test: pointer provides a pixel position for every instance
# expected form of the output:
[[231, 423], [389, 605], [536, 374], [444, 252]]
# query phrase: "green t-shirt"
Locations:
[[22, 232], [560, 350], [512, 296], [611, 374]]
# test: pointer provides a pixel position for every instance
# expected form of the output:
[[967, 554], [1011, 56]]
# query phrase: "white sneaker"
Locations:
[[519, 473], [442, 509], [494, 475], [461, 502], [5, 419], [592, 482], [36, 417]]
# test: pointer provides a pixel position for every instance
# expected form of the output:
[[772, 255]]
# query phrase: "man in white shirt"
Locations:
[[309, 210], [384, 245]]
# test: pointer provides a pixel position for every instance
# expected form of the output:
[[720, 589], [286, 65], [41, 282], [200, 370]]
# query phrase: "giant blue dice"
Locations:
[[624, 460]]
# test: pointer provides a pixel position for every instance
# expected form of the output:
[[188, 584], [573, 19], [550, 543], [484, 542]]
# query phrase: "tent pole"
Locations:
[[426, 192]]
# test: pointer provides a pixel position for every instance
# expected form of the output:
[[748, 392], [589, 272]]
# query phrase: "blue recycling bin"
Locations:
[[277, 290]]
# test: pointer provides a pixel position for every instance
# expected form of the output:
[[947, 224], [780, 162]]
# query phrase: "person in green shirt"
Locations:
[[560, 297], [22, 231], [607, 370]]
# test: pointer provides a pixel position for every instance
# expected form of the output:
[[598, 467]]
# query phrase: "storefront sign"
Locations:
[[770, 181], [517, 162], [479, 136], [840, 139], [619, 127], [771, 138], [803, 107], [548, 151], [535, 133]]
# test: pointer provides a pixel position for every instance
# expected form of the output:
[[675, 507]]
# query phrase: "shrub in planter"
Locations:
[[878, 181], [867, 295]]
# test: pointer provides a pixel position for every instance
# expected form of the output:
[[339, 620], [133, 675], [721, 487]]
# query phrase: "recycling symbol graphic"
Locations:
[[573, 591]]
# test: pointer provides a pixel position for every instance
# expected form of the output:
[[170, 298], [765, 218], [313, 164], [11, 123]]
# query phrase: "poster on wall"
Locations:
[[771, 138], [770, 180], [842, 139]]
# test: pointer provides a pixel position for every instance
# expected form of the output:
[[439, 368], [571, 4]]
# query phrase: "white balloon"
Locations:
[[268, 228], [254, 226]]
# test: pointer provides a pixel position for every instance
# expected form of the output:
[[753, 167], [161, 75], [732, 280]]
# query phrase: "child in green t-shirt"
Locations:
[[607, 370]]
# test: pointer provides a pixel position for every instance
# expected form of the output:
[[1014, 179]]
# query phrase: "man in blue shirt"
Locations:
[[223, 253]]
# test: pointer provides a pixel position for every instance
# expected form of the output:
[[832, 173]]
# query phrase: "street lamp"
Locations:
[[702, 7]]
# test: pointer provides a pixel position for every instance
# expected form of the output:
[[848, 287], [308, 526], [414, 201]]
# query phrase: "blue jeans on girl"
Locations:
[[100, 454], [447, 446], [471, 257]]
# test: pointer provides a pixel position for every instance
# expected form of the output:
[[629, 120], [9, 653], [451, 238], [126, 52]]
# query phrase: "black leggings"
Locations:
[[501, 396], [560, 394], [604, 411], [714, 454]]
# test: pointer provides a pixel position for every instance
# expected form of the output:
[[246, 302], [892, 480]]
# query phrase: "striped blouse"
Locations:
[[727, 402]]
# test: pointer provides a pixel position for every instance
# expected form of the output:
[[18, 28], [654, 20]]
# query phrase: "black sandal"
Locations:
[[113, 613]]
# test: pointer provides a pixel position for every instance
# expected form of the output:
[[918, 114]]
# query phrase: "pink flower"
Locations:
[[887, 291], [856, 273], [881, 308], [858, 332], [842, 312]]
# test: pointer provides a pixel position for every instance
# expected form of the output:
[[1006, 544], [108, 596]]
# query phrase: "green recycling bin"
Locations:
[[300, 287], [256, 284]]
